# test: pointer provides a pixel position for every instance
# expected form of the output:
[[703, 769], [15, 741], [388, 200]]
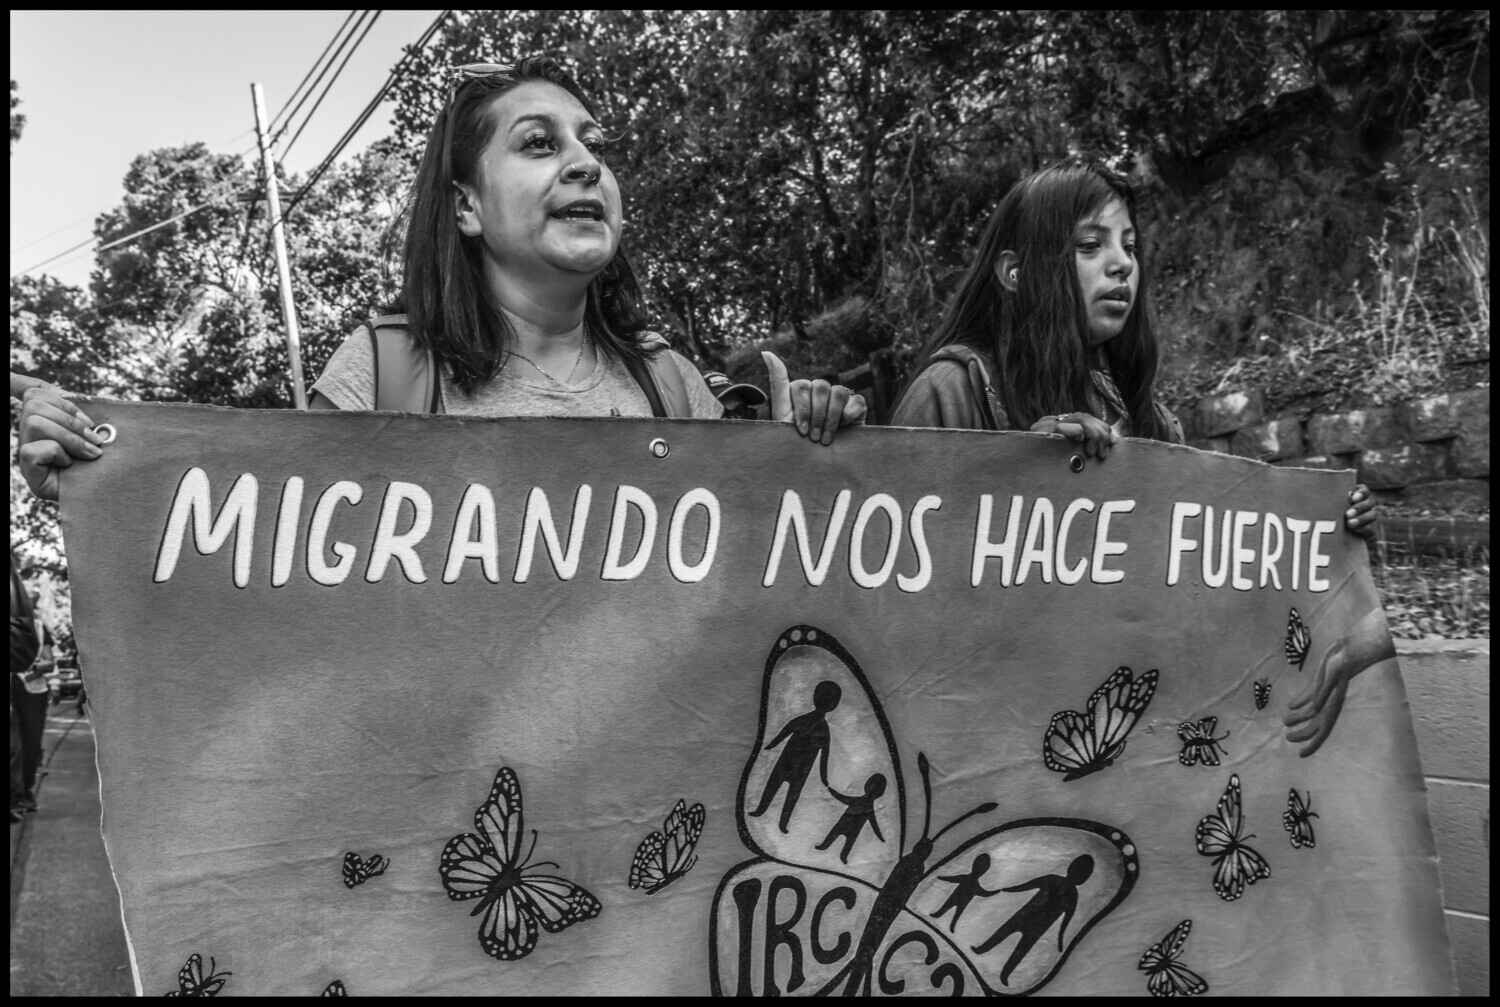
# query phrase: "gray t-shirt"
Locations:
[[349, 383]]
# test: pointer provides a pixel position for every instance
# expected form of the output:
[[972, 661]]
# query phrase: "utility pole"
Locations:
[[283, 271]]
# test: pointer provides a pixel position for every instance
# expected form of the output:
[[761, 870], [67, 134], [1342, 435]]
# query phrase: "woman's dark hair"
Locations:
[[443, 291], [1038, 334]]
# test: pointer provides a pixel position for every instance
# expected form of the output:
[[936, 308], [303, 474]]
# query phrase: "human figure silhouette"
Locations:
[[965, 888], [1056, 897], [858, 812], [807, 742]]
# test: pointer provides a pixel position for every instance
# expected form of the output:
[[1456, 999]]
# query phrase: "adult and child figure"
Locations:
[[519, 300]]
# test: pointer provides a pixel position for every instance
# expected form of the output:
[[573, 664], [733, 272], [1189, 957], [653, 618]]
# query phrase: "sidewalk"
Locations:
[[65, 932]]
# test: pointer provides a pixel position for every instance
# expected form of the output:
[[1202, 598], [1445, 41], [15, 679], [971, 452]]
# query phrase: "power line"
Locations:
[[352, 49], [217, 198], [90, 219], [298, 89], [333, 58], [364, 116]]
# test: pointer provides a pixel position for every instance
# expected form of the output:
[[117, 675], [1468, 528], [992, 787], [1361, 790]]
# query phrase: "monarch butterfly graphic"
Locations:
[[872, 914], [1198, 742], [1077, 744], [357, 870], [334, 989], [665, 856], [1262, 688], [1297, 819], [1235, 864], [1297, 639], [1165, 975], [489, 867], [191, 982]]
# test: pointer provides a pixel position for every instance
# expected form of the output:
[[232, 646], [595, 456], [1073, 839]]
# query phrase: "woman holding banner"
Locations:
[[518, 300], [515, 286], [1050, 331]]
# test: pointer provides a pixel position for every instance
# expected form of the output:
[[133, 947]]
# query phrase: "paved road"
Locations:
[[65, 932]]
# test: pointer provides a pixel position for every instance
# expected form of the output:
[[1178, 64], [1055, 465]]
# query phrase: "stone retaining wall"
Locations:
[[1432, 452]]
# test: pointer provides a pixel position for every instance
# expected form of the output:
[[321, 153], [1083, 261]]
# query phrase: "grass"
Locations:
[[1445, 596]]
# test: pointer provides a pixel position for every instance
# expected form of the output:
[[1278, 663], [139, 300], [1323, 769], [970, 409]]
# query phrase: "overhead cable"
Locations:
[[369, 110], [370, 24], [305, 77], [286, 123]]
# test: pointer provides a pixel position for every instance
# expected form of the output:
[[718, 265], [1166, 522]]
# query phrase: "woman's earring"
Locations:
[[1013, 272]]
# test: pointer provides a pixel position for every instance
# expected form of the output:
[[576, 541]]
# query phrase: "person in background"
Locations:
[[740, 401], [1051, 331], [28, 705]]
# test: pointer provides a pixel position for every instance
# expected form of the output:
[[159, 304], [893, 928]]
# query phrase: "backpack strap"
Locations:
[[979, 380], [659, 378], [406, 378]]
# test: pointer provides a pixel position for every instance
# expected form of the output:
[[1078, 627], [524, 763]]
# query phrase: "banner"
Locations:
[[436, 705]]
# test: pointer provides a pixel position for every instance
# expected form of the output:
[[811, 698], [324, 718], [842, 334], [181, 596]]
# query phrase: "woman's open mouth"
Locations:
[[583, 209]]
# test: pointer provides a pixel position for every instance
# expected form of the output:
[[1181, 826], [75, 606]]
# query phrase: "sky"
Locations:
[[98, 88]]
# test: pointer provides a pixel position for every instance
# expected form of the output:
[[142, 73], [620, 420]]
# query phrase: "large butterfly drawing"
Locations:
[[1165, 975], [841, 898], [358, 870], [1078, 744], [663, 857], [489, 866], [1297, 639], [192, 982], [1199, 745], [1235, 864], [1297, 819]]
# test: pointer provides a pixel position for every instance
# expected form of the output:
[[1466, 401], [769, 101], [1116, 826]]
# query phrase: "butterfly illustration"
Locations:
[[1297, 639], [1198, 742], [665, 856], [490, 867], [1078, 744], [855, 896], [1235, 864], [334, 989], [1297, 819], [1262, 688], [358, 870], [191, 981], [1165, 975]]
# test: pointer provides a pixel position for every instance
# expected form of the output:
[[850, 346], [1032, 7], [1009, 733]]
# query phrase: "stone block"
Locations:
[[1437, 417], [1340, 433], [1471, 451], [1449, 495], [1391, 468], [1220, 415], [1270, 441]]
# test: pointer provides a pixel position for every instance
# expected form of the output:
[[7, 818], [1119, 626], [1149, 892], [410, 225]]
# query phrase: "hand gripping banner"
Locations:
[[431, 705]]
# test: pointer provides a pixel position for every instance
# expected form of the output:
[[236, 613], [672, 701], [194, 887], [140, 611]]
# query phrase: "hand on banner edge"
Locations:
[[816, 408]]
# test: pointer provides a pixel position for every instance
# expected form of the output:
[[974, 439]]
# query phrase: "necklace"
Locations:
[[577, 359]]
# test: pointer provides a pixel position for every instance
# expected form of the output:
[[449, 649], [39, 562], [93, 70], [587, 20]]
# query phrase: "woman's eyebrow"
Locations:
[[551, 122]]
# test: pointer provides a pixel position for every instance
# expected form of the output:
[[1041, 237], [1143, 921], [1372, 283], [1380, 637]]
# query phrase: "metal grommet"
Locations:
[[1075, 463], [659, 448], [106, 432]]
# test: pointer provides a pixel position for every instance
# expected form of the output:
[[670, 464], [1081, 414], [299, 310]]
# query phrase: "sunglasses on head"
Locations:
[[458, 76]]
